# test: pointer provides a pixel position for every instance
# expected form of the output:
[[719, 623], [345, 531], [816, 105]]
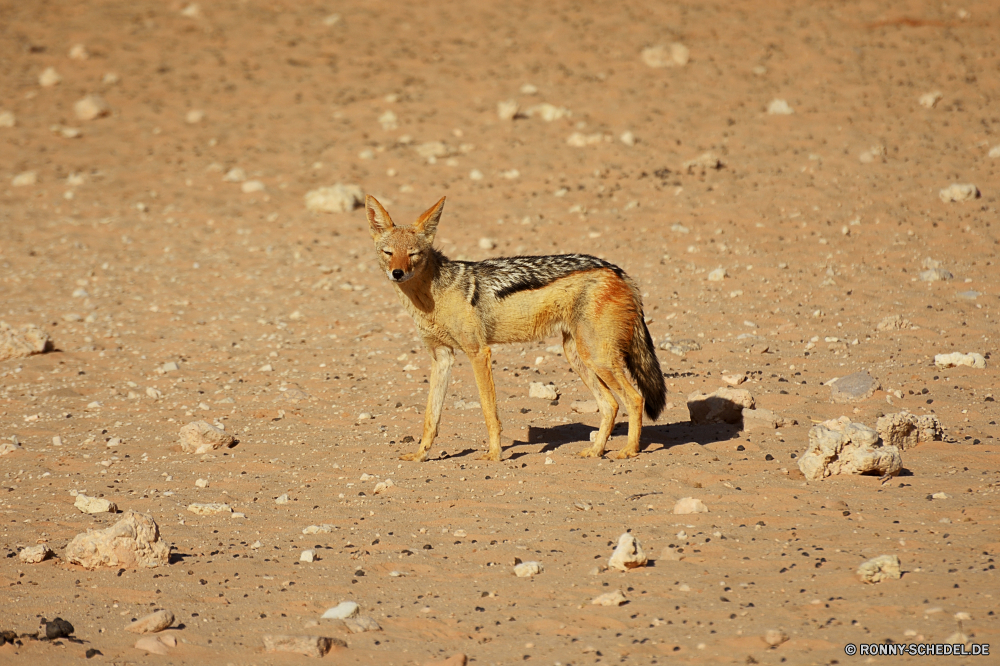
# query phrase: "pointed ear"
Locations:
[[427, 223], [379, 221]]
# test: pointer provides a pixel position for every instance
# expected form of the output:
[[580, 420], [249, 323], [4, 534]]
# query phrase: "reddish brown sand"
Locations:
[[173, 264]]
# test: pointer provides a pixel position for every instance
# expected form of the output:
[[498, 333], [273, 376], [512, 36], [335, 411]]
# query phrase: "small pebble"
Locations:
[[91, 107], [49, 77], [688, 505], [779, 107], [959, 192], [341, 611], [201, 483], [527, 569], [307, 556], [208, 509], [282, 499], [616, 598]]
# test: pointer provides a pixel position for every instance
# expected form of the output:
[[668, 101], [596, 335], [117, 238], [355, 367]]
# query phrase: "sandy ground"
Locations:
[[132, 251]]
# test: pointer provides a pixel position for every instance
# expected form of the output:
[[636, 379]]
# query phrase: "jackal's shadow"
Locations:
[[654, 437]]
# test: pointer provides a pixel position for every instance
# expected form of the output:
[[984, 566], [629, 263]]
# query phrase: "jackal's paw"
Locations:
[[489, 455], [625, 453], [415, 457], [591, 453]]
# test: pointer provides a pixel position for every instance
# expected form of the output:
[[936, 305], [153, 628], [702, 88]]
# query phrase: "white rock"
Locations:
[[543, 391], [201, 437], [10, 447], [7, 119], [877, 569], [734, 380], [170, 366], [364, 416], [432, 150], [267, 367], [201, 483], [674, 55], [527, 569], [318, 529], [959, 192], [928, 100], [507, 110], [839, 446], [307, 556], [34, 554], [994, 151], [627, 137], [192, 11], [548, 112], [209, 508], [905, 430], [251, 186], [361, 624], [718, 275], [338, 198], [388, 121], [779, 107], [235, 175], [475, 174], [616, 598], [341, 611], [94, 504], [25, 179], [153, 393], [382, 486], [194, 116], [955, 359], [152, 623], [22, 342], [628, 554], [578, 140], [49, 77], [282, 499], [775, 637], [91, 107], [688, 505], [133, 541], [487, 243]]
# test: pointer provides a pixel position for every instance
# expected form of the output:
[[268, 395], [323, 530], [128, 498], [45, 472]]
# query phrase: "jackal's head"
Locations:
[[402, 251]]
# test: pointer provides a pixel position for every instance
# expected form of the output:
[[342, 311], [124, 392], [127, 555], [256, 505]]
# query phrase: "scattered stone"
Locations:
[[152, 623], [855, 387], [877, 569], [905, 430], [476, 174], [584, 406], [718, 275], [91, 107], [688, 505], [940, 496], [628, 554], [11, 446], [152, 645], [487, 243], [543, 391], [23, 342], [307, 556], [955, 359], [49, 77], [361, 624], [527, 569], [548, 112], [775, 637], [134, 541], [935, 275], [507, 110], [235, 175], [388, 120], [7, 119], [339, 198], [341, 611], [382, 486], [310, 646], [432, 150], [318, 529], [616, 598], [725, 405], [627, 137], [928, 100], [209, 508], [680, 347], [251, 186], [194, 116], [94, 504], [839, 446], [762, 419], [153, 393], [994, 151], [282, 499], [703, 163], [57, 628], [201, 483], [779, 107], [35, 554], [24, 179], [674, 55], [578, 140], [959, 192], [201, 437], [893, 323]]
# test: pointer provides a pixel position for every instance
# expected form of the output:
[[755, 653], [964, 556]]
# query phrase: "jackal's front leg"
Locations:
[[482, 367], [442, 360]]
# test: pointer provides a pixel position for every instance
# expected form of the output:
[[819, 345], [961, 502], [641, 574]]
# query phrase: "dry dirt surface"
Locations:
[[158, 233]]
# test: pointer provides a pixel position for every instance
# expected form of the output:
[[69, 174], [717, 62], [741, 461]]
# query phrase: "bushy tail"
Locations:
[[641, 361]]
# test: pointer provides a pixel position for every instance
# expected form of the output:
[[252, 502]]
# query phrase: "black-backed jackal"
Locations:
[[471, 305]]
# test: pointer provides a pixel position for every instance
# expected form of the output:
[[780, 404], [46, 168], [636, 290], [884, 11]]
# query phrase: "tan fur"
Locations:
[[597, 311]]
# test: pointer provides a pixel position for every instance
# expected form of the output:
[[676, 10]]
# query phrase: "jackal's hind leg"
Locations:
[[635, 404], [442, 360], [605, 399]]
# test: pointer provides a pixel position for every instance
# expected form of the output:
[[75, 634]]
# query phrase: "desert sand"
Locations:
[[156, 158]]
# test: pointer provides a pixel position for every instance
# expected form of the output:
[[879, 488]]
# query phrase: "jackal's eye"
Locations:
[[414, 254], [387, 253]]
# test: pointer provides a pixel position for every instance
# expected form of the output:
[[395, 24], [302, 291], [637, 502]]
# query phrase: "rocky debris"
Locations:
[[201, 437], [35, 554], [779, 107], [338, 198], [152, 623], [548, 112], [24, 179], [688, 505], [839, 446], [616, 598], [543, 391], [282, 499], [134, 541], [854, 387], [507, 110], [959, 192], [235, 175], [528, 569], [935, 274], [361, 624], [893, 323], [209, 508], [775, 637], [57, 628], [23, 342], [308, 556], [734, 380], [725, 405], [994, 151], [194, 116], [628, 554], [929, 100], [325, 528], [251, 186], [341, 611], [310, 646], [877, 569], [905, 430], [703, 163], [432, 150], [584, 406], [94, 504], [487, 243], [680, 347], [152, 645], [763, 419], [718, 275], [11, 446], [49, 77], [382, 486], [91, 107], [955, 359], [673, 55], [580, 140]]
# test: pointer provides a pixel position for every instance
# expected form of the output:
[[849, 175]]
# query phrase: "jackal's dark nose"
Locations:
[[397, 274]]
